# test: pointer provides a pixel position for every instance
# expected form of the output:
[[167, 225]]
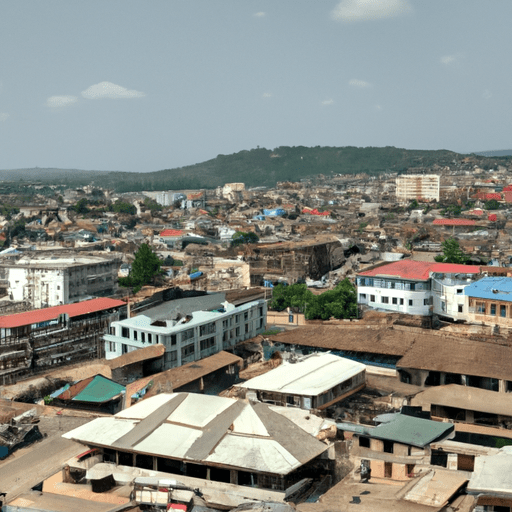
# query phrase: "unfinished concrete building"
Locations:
[[37, 341], [290, 262], [424, 187], [46, 280]]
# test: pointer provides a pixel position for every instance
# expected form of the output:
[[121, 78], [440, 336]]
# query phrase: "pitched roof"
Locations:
[[418, 270], [172, 232], [494, 288], [410, 430], [97, 389], [454, 222], [207, 429], [72, 310], [311, 376]]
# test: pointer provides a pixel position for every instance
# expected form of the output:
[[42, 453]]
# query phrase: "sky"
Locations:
[[143, 86]]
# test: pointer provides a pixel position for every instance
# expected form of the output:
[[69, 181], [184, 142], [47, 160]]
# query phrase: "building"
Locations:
[[489, 301], [405, 286], [213, 438], [397, 444], [317, 381], [188, 335], [40, 340], [45, 280], [422, 187]]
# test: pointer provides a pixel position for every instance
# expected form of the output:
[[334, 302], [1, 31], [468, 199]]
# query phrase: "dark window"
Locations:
[[395, 300], [503, 311], [125, 333], [493, 309], [410, 302], [388, 446], [207, 343], [143, 337], [135, 334], [372, 298], [364, 442], [188, 350], [401, 302], [149, 337], [173, 339], [460, 308], [385, 300]]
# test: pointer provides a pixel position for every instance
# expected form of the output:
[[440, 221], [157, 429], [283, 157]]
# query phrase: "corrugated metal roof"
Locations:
[[172, 232], [454, 222], [45, 315], [494, 288], [411, 430], [200, 429], [311, 376], [418, 270], [99, 390]]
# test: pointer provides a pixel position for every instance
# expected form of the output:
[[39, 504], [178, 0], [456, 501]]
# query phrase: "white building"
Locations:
[[316, 381], [191, 337], [423, 187], [46, 280], [405, 286], [448, 293]]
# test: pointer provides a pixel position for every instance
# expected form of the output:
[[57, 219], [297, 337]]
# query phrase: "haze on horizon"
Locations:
[[143, 86]]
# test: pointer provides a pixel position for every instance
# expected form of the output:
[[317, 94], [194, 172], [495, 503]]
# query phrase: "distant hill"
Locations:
[[256, 167], [501, 152]]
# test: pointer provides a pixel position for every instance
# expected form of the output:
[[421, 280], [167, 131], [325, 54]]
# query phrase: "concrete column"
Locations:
[[463, 380], [452, 462], [502, 386], [155, 463], [442, 379], [470, 417], [233, 476]]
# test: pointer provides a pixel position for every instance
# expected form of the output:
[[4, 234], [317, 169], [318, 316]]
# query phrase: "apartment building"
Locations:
[[46, 280], [187, 336], [422, 187]]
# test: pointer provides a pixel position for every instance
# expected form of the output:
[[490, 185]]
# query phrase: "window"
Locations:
[[401, 302], [246, 315], [443, 306], [188, 350], [112, 346], [171, 357], [362, 296], [207, 329], [426, 302], [149, 337], [460, 308], [238, 331], [372, 298], [385, 300], [410, 302], [135, 334], [493, 309], [290, 319], [143, 337], [173, 339], [207, 343], [188, 334], [503, 311], [480, 308], [125, 333], [246, 328], [459, 291], [395, 300]]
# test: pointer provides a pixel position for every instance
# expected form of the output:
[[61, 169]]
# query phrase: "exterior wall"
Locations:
[[489, 312], [417, 186], [400, 301], [285, 318], [190, 341], [44, 286], [449, 300]]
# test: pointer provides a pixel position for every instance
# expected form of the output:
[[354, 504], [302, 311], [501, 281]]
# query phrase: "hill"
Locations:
[[256, 167]]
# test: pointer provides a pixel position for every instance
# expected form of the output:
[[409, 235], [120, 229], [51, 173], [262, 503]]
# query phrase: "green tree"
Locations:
[[81, 206], [241, 237], [492, 204], [123, 207], [452, 253], [145, 268]]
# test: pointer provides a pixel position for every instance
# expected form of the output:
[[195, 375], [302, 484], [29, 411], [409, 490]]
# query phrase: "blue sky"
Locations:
[[143, 86]]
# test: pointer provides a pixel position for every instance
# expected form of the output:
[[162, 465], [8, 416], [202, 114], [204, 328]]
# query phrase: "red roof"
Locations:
[[45, 315], [476, 211], [171, 232], [493, 195], [454, 222], [419, 270], [507, 195], [492, 217]]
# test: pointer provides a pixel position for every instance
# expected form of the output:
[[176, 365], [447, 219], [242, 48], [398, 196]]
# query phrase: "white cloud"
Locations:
[[3, 116], [110, 90], [487, 94], [266, 95], [359, 83], [368, 10], [60, 101], [378, 107], [448, 59], [330, 101], [260, 14]]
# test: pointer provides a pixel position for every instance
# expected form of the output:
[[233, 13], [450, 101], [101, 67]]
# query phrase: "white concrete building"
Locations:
[[448, 296], [191, 337], [405, 286], [316, 381], [423, 187], [46, 280]]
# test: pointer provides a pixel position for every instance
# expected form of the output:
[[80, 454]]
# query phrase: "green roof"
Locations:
[[99, 390], [411, 430]]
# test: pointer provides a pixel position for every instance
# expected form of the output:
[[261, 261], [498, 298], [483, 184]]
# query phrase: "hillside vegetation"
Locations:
[[256, 167]]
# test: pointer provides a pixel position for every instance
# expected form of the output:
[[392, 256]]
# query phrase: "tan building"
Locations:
[[423, 187]]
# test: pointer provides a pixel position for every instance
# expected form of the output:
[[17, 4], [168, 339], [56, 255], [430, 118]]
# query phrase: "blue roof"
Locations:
[[494, 288]]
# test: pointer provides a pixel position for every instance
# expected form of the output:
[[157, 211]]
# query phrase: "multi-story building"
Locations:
[[423, 187], [187, 337], [406, 286], [46, 280], [39, 340]]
